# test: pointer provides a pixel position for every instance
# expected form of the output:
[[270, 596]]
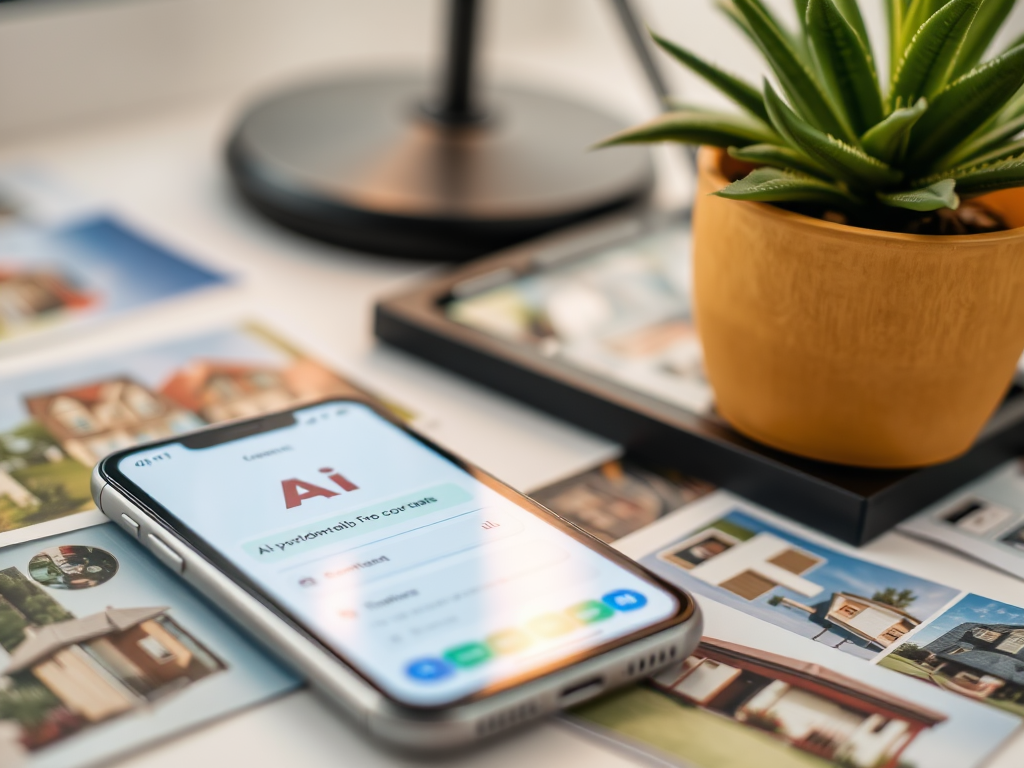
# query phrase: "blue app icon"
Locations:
[[624, 600], [428, 670]]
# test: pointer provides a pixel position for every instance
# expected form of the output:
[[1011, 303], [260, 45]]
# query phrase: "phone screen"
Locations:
[[431, 583]]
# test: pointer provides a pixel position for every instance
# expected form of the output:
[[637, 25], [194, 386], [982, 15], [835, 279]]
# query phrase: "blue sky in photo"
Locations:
[[106, 259], [839, 573], [974, 609], [151, 366]]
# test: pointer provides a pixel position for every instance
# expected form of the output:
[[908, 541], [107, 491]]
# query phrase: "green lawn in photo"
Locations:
[[691, 734], [62, 488], [907, 667]]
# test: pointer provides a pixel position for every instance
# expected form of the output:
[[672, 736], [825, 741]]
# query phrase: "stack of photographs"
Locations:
[[813, 655], [102, 651]]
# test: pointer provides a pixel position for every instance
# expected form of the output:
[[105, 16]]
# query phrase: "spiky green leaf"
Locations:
[[728, 8], [693, 127], [963, 106], [771, 185], [801, 10], [1014, 108], [916, 13], [928, 62], [982, 142], [990, 18], [851, 12], [888, 139], [982, 179], [941, 194], [848, 163], [744, 94], [1004, 152], [844, 63], [777, 157], [895, 14], [1019, 40], [796, 78]]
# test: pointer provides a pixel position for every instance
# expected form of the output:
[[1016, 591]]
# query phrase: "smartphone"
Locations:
[[434, 603]]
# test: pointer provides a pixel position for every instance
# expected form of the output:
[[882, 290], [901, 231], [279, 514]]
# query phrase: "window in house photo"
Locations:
[[155, 649]]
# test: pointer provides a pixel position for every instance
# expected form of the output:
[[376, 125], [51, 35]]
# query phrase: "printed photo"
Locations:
[[735, 706], [816, 591], [621, 313], [72, 567], [84, 271], [88, 673], [56, 424], [984, 519], [975, 649], [621, 496], [64, 261]]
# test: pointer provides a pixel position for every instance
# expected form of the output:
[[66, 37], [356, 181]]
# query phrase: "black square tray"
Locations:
[[852, 504]]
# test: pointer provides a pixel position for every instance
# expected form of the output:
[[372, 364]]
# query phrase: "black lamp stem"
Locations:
[[457, 87]]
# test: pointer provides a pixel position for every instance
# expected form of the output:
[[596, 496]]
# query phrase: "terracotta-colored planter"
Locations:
[[852, 345]]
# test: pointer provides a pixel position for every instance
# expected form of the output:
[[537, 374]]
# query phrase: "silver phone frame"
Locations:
[[390, 721]]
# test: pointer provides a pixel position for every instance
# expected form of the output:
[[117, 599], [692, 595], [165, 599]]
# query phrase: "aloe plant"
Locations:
[[832, 135]]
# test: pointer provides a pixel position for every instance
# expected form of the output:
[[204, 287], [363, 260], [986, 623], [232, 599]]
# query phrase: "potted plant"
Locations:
[[859, 246]]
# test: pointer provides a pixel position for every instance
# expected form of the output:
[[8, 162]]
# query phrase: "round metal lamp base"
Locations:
[[359, 162]]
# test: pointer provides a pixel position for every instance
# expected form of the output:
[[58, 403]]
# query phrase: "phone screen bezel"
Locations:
[[110, 472]]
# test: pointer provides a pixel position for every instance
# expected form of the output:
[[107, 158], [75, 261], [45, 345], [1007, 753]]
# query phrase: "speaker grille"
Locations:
[[507, 718], [639, 667]]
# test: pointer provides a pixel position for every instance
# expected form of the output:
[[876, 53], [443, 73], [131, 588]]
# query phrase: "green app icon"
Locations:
[[591, 611], [468, 655]]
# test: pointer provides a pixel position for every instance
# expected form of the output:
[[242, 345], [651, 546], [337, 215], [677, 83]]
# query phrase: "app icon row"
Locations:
[[510, 641]]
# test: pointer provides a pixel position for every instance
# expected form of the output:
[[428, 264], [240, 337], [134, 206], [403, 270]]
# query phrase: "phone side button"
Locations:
[[164, 553], [130, 525]]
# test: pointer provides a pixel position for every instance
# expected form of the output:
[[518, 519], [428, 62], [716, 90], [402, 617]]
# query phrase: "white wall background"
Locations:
[[66, 63]]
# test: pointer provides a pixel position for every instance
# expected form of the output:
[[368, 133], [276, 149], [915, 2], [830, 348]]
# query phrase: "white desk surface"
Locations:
[[165, 172]]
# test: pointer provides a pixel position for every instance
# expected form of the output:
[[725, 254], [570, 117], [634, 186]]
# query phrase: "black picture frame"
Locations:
[[850, 503]]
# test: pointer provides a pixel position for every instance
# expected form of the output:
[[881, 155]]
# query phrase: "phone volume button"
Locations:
[[164, 553]]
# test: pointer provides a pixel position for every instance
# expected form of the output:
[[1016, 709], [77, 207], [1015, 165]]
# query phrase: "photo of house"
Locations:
[[83, 671], [978, 516], [819, 592], [29, 297], [219, 390], [109, 663], [878, 624], [94, 419], [975, 649], [55, 425], [82, 269], [618, 497], [88, 674], [812, 708], [732, 705], [748, 567]]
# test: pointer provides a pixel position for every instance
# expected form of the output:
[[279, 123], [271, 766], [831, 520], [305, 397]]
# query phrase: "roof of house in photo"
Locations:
[[89, 394], [878, 604], [186, 385], [994, 663], [823, 676], [41, 642]]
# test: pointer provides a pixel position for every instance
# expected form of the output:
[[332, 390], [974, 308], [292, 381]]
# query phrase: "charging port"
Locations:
[[583, 690]]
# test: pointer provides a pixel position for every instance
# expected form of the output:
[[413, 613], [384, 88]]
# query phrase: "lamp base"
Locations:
[[357, 161]]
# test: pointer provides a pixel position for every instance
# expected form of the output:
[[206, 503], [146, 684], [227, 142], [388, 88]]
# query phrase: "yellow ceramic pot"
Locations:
[[852, 345]]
